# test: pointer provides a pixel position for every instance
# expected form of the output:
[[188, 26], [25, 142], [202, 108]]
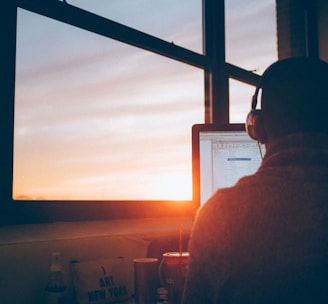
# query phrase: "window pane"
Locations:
[[96, 119], [240, 100], [251, 33], [174, 21]]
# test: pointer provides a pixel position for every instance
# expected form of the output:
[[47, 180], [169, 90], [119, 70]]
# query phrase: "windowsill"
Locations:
[[143, 228]]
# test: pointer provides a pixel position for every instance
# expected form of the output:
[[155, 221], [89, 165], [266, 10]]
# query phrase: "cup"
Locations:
[[145, 280], [172, 274]]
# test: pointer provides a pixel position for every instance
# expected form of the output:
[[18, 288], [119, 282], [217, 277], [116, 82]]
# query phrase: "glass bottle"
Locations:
[[56, 287]]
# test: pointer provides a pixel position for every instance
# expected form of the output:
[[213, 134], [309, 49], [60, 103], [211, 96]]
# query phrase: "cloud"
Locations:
[[93, 111], [251, 33]]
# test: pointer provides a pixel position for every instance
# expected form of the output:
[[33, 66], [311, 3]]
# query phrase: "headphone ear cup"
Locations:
[[254, 126], [250, 124]]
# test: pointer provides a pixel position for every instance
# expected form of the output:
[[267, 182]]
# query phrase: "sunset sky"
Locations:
[[99, 119]]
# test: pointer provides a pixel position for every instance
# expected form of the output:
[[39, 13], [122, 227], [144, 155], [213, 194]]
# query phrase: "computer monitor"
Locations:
[[221, 155]]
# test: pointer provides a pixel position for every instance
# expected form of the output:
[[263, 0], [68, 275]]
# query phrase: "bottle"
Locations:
[[56, 288]]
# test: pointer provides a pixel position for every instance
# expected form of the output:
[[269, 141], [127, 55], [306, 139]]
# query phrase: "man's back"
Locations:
[[266, 239]]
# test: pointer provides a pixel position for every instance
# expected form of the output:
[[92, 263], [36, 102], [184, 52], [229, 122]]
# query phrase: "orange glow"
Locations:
[[170, 186], [174, 186]]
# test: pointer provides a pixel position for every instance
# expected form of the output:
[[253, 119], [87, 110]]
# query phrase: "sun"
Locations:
[[174, 186]]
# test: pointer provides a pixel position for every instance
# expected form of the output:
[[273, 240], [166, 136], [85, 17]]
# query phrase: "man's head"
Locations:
[[294, 99]]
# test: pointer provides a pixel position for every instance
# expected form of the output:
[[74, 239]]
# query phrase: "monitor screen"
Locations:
[[221, 156]]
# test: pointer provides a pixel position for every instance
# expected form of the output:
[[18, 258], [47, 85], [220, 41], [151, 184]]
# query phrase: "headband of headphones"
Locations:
[[269, 71], [264, 76]]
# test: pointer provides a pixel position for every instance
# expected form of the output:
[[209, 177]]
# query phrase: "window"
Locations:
[[251, 34], [92, 92], [96, 119], [250, 44], [174, 21], [239, 100]]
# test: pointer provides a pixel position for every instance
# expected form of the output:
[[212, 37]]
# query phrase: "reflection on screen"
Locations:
[[225, 157]]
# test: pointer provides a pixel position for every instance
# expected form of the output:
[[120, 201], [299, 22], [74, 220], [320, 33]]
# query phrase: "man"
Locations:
[[265, 240]]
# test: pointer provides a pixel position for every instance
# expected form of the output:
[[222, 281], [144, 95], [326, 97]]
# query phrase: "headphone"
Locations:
[[253, 124], [254, 121]]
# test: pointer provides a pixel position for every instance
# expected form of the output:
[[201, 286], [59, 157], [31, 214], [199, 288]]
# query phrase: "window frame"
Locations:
[[216, 105]]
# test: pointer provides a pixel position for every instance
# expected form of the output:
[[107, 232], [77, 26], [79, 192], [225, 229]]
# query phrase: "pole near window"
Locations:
[[216, 77], [297, 28]]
